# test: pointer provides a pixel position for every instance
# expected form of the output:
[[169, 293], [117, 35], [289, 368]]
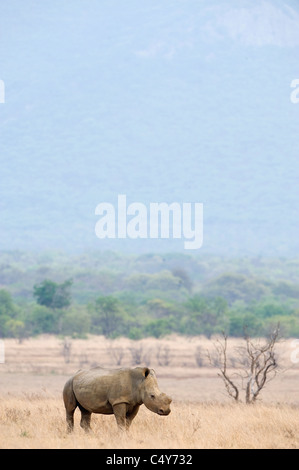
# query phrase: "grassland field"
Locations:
[[203, 416]]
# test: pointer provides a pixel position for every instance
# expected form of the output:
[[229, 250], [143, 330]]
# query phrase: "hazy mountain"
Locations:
[[161, 101]]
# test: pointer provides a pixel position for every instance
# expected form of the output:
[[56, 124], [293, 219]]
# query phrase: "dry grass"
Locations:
[[38, 422], [32, 411]]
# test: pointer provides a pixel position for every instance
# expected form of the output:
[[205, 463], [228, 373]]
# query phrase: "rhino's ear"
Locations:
[[145, 371]]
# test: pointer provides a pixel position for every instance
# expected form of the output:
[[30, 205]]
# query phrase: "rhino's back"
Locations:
[[98, 389], [106, 377]]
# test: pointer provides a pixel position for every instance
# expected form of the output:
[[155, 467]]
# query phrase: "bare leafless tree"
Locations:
[[66, 350], [117, 353], [257, 366], [262, 365], [201, 354], [137, 353], [221, 362], [140, 354], [163, 355], [198, 356]]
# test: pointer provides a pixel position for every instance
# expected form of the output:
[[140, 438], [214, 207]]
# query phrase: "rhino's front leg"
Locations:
[[131, 415], [120, 412]]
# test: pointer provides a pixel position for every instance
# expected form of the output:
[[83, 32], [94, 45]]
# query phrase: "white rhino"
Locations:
[[119, 392]]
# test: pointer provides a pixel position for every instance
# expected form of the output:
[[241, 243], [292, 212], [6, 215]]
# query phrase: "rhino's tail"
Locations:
[[69, 398]]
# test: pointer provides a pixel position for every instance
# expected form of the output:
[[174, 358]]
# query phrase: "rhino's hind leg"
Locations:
[[85, 419], [70, 420], [70, 404]]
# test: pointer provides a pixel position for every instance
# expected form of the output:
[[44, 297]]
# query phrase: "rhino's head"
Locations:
[[151, 396]]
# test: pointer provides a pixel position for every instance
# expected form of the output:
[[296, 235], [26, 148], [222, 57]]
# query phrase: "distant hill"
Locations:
[[161, 101]]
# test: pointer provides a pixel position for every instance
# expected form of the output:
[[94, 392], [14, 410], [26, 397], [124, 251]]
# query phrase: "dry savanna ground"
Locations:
[[203, 416]]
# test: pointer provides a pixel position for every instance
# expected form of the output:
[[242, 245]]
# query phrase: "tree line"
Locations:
[[152, 312], [146, 295]]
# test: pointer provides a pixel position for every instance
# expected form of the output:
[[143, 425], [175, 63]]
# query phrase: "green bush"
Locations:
[[160, 327], [76, 322], [43, 320], [245, 324]]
